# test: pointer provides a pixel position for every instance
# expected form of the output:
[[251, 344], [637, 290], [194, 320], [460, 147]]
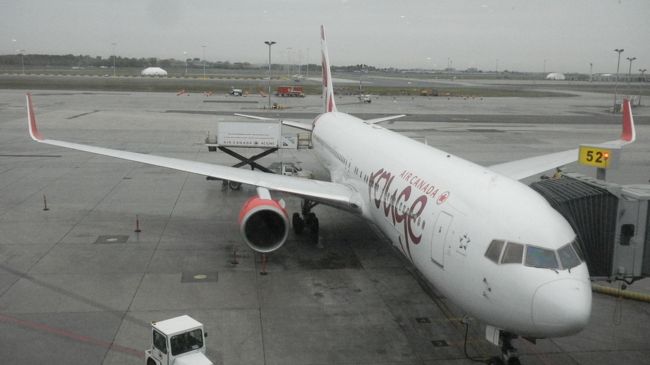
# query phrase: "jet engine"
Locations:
[[264, 223]]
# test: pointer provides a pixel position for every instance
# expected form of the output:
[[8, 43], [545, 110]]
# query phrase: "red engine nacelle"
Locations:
[[264, 224]]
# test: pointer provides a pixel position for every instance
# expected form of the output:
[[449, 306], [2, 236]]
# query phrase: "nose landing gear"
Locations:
[[503, 339], [509, 354]]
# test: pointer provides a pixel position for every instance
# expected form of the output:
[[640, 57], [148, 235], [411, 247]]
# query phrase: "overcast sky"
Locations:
[[520, 34]]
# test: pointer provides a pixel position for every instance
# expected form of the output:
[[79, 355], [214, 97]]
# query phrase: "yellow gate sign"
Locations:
[[602, 157]]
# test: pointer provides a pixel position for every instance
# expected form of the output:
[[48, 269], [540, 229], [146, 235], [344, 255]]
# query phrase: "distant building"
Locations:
[[604, 77], [555, 76], [153, 71]]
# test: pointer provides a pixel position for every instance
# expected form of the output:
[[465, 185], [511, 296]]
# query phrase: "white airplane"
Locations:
[[486, 241]]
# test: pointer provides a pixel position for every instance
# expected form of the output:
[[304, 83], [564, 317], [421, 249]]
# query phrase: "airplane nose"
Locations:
[[562, 307]]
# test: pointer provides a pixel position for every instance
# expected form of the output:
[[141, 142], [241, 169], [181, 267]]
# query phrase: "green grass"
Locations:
[[222, 83]]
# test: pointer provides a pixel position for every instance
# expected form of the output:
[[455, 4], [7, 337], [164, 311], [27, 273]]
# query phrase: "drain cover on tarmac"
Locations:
[[199, 277], [439, 343], [112, 239]]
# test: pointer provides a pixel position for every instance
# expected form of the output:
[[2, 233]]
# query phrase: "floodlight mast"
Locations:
[[619, 50], [629, 71], [203, 46], [641, 80], [269, 43], [185, 56], [113, 44]]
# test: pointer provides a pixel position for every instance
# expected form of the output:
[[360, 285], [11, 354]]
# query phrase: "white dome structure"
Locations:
[[555, 76], [153, 71]]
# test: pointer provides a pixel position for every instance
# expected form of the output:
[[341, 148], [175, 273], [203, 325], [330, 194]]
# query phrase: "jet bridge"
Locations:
[[612, 223]]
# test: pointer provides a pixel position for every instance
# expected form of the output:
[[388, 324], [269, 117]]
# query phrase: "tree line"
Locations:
[[83, 61], [86, 61]]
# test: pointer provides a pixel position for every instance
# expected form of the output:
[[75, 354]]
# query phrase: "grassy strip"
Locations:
[[465, 92], [623, 88], [252, 86]]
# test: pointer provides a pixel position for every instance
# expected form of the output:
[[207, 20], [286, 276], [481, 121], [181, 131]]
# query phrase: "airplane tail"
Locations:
[[628, 133], [328, 88]]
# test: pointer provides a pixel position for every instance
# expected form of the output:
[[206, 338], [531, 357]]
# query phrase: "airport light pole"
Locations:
[[203, 46], [641, 80], [289, 63], [307, 77], [618, 65], [185, 56], [269, 43], [114, 44], [22, 59], [629, 77], [300, 62], [629, 71], [22, 55]]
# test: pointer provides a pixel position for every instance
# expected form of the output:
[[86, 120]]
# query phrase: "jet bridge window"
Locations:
[[513, 253], [541, 257], [494, 250]]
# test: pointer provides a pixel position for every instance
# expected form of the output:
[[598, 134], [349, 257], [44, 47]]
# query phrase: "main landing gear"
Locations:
[[305, 219]]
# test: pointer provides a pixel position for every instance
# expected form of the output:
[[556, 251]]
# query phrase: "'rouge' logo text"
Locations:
[[401, 207]]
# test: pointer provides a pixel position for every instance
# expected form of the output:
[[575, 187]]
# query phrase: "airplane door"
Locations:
[[439, 238]]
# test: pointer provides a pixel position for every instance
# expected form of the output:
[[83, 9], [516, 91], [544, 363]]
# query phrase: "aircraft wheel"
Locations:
[[298, 223], [309, 217], [313, 226], [234, 185], [514, 361]]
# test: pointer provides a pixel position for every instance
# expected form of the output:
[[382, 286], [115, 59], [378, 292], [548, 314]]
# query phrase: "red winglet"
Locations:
[[628, 133], [31, 120]]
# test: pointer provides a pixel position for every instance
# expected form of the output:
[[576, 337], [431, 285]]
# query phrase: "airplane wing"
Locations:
[[290, 123], [338, 195], [527, 167], [383, 119], [308, 127]]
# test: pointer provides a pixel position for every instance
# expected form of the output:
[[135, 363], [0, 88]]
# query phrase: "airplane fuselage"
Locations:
[[442, 212]]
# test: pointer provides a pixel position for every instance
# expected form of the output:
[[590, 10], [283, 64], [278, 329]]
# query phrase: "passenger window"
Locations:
[[540, 257], [568, 257], [513, 253], [494, 250]]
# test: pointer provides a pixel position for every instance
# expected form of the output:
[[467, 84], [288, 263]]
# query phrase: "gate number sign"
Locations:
[[601, 157]]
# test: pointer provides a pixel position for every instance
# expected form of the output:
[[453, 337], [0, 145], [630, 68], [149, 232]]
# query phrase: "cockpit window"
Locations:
[[541, 257], [494, 250], [576, 248], [513, 253], [568, 257], [504, 252]]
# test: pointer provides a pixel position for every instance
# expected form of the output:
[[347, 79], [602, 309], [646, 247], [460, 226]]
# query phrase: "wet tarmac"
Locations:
[[79, 286]]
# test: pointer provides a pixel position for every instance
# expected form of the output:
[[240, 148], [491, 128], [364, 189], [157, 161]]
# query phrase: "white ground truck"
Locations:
[[290, 169], [177, 341]]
